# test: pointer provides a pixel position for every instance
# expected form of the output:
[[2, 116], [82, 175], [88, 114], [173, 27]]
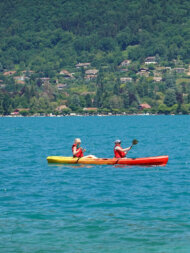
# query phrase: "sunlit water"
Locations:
[[48, 208]]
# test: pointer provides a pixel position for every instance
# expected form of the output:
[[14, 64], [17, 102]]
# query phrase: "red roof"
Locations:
[[21, 109], [8, 73], [90, 109], [145, 106]]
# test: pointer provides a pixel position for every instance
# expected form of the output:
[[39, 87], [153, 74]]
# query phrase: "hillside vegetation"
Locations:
[[47, 39]]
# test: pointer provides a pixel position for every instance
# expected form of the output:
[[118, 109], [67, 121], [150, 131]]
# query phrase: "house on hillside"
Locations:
[[9, 73], [61, 86], [164, 69], [20, 82], [66, 74], [143, 72], [124, 70], [179, 70], [91, 74], [82, 65], [126, 79], [45, 80], [2, 85], [144, 106], [18, 110], [90, 109], [20, 79], [150, 60], [28, 72], [61, 107], [90, 77], [157, 78], [125, 63], [188, 72]]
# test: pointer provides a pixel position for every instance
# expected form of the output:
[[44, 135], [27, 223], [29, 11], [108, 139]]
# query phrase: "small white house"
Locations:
[[126, 79], [150, 60]]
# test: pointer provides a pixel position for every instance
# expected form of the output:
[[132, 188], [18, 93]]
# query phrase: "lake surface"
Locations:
[[105, 209]]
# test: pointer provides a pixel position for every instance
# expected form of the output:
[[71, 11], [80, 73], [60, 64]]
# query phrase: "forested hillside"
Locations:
[[47, 39]]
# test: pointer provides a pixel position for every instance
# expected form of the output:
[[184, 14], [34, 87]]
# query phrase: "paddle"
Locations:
[[134, 142]]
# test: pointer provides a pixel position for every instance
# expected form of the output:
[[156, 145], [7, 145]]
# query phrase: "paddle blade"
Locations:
[[134, 142]]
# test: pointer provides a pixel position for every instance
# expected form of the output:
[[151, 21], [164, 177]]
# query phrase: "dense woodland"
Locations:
[[42, 41]]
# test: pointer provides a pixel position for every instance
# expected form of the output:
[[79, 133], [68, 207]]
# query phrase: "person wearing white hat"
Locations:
[[120, 152], [79, 151]]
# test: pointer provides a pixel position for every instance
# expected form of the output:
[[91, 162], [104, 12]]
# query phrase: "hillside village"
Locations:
[[76, 90]]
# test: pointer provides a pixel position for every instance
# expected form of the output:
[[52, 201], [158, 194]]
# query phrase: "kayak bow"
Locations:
[[146, 161]]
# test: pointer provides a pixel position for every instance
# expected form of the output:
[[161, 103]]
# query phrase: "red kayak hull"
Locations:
[[147, 161]]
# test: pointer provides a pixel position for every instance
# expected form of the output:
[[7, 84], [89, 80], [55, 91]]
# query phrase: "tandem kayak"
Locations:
[[146, 161]]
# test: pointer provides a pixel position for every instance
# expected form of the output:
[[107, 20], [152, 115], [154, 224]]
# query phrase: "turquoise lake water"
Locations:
[[105, 209]]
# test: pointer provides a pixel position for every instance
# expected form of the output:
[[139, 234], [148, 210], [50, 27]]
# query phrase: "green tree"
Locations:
[[39, 82], [162, 108], [116, 102], [116, 89], [170, 97], [1, 103], [74, 102], [170, 81], [179, 97], [185, 109], [1, 67], [98, 100], [34, 104], [126, 99], [6, 104], [88, 100]]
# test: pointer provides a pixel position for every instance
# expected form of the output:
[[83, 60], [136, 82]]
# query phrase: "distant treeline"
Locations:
[[47, 35]]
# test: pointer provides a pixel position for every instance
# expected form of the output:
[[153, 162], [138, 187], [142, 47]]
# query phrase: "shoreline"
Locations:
[[86, 115]]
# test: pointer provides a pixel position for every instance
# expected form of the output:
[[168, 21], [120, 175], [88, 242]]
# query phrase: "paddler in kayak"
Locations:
[[78, 151], [119, 151]]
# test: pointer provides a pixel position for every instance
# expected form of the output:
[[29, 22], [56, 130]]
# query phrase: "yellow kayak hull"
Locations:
[[71, 160]]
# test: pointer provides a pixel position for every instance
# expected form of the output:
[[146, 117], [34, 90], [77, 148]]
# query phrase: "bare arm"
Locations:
[[75, 152], [126, 149], [123, 149]]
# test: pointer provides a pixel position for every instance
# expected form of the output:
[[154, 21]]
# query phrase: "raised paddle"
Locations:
[[134, 142]]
